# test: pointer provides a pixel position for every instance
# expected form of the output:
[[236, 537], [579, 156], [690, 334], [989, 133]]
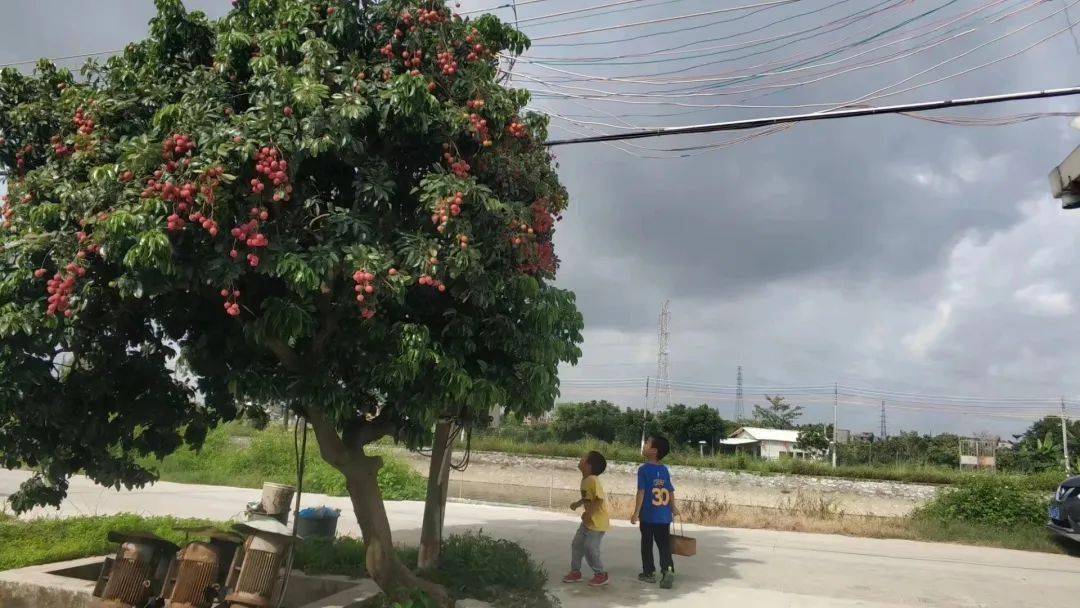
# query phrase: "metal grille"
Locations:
[[128, 582], [192, 580], [258, 573]]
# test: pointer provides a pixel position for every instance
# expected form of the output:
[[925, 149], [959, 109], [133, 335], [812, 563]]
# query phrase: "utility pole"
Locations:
[[663, 380], [738, 395], [645, 413], [883, 419], [835, 401], [1065, 439]]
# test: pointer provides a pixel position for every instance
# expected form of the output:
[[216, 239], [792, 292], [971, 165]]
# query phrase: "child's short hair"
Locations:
[[663, 448], [597, 462]]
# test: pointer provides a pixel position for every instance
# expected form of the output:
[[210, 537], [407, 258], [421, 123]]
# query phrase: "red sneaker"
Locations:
[[599, 580], [573, 577]]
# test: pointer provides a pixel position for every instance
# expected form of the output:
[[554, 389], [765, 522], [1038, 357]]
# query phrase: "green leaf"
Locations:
[[309, 94], [152, 251], [296, 272]]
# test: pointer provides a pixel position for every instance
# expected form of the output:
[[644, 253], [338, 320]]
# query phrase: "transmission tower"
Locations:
[[884, 432], [738, 395], [663, 379]]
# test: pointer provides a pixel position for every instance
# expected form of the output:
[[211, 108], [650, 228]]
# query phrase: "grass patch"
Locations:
[[46, 540], [236, 455], [908, 473]]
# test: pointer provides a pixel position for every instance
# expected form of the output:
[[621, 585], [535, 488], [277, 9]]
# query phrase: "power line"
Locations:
[[697, 27], [584, 9], [495, 8], [771, 65], [1072, 31], [620, 26], [753, 123], [79, 56], [877, 94], [682, 48]]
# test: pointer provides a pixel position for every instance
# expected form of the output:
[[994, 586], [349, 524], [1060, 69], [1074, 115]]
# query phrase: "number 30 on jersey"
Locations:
[[660, 497]]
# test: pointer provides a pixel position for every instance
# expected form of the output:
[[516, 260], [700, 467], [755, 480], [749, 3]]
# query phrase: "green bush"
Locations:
[[473, 565], [236, 455], [990, 501], [491, 569]]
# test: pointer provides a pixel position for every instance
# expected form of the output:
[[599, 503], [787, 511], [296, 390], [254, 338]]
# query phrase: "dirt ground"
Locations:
[[553, 482]]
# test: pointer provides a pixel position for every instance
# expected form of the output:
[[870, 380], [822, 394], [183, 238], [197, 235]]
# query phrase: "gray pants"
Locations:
[[586, 544]]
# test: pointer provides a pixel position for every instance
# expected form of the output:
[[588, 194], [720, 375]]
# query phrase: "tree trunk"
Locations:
[[395, 579], [435, 504]]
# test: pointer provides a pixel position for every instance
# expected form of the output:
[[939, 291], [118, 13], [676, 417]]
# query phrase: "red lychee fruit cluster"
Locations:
[[59, 147], [232, 307], [84, 124], [176, 146], [273, 169], [248, 235], [516, 129], [447, 63], [432, 281], [458, 165], [60, 288], [445, 209]]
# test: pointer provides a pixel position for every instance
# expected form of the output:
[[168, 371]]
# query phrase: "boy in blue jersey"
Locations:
[[655, 506]]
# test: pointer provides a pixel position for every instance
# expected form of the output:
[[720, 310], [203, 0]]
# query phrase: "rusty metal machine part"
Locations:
[[135, 573], [257, 572], [196, 581]]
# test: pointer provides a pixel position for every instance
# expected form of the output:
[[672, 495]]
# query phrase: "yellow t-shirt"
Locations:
[[592, 490]]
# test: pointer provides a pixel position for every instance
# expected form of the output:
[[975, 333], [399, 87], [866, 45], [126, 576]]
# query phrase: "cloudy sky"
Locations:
[[884, 253]]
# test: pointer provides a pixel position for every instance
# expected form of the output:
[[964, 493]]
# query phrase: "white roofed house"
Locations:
[[770, 444]]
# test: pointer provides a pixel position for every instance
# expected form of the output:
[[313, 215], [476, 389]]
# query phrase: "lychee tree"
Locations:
[[334, 205]]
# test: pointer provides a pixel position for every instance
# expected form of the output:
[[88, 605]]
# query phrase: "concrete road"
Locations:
[[734, 567]]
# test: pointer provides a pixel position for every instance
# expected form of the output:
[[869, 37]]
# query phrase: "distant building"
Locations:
[[864, 437], [770, 444]]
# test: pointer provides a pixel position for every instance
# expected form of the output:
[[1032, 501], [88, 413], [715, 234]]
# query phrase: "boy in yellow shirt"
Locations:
[[594, 521]]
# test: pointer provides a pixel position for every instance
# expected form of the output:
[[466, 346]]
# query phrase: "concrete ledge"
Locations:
[[39, 587], [70, 584]]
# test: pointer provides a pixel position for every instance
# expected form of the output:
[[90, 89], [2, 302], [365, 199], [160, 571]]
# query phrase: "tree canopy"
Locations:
[[334, 206], [779, 414]]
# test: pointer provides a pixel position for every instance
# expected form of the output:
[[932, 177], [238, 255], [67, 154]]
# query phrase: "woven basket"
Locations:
[[683, 545]]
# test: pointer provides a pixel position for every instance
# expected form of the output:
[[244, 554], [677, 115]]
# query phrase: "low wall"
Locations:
[[70, 585], [495, 476]]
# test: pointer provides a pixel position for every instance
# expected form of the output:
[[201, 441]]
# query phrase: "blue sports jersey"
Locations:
[[655, 481]]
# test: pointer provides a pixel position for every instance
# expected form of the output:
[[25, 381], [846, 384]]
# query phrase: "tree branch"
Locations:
[[331, 446], [358, 435], [286, 355]]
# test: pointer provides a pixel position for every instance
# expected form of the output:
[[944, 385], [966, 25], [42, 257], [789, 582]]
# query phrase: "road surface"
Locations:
[[757, 568]]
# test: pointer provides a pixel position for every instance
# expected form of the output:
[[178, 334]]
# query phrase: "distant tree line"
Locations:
[[1036, 450], [683, 425]]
